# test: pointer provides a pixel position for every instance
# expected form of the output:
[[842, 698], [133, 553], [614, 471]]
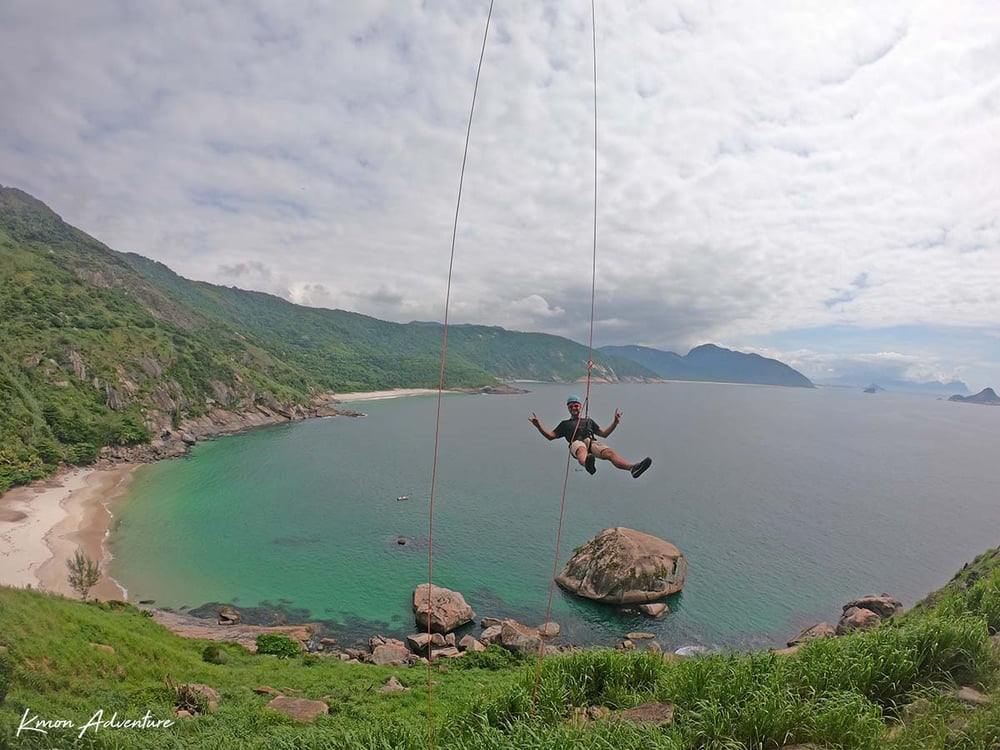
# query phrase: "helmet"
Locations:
[[574, 399]]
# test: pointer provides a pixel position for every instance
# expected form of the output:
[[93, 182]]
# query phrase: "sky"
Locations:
[[812, 181]]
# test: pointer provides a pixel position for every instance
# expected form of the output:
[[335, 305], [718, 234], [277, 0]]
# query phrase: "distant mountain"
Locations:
[[985, 396], [709, 362]]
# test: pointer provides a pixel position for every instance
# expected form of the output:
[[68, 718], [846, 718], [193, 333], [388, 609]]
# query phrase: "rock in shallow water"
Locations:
[[624, 566]]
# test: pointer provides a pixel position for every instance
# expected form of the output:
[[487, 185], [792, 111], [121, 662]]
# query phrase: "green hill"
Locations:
[[65, 663], [100, 348]]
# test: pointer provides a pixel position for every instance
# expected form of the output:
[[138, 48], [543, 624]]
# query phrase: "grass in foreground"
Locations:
[[892, 688]]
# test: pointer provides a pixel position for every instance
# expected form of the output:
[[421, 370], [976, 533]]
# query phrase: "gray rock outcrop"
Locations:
[[520, 638], [655, 609], [624, 566], [388, 651], [867, 612], [445, 608], [819, 630], [884, 605], [300, 709]]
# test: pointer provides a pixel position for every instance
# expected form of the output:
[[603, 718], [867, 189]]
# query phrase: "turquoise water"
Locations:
[[786, 503]]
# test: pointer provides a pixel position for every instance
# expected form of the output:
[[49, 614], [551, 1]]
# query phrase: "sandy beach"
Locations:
[[375, 395], [41, 526]]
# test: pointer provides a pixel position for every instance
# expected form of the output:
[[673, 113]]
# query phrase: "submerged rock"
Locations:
[[624, 566], [655, 610]]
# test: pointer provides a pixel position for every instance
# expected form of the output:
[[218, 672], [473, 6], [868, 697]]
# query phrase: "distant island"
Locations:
[[884, 382], [986, 396], [874, 388]]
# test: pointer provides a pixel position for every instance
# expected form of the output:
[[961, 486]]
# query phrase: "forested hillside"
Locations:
[[100, 348]]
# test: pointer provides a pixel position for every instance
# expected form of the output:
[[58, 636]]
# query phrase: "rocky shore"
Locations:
[[444, 629], [172, 442]]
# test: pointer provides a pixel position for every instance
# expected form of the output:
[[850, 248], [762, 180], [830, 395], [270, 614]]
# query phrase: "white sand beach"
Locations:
[[42, 525], [375, 395]]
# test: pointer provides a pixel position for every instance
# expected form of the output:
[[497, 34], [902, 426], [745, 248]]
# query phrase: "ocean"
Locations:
[[786, 502]]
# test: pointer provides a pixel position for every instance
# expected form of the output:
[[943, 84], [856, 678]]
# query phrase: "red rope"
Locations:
[[590, 367], [444, 350], [437, 419]]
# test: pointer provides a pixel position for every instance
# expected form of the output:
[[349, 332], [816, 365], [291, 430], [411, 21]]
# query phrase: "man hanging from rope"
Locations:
[[580, 433]]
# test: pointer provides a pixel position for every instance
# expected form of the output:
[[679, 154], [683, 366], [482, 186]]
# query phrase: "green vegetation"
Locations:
[[84, 573], [892, 688], [972, 590], [6, 674], [214, 654], [102, 350], [277, 644]]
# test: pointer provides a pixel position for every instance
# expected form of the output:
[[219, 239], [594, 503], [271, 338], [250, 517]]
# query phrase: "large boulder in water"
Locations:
[[624, 566]]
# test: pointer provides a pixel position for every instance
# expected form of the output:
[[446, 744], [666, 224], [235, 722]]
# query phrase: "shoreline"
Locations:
[[380, 395], [43, 524]]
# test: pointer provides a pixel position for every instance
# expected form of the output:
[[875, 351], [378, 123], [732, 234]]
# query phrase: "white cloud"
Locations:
[[755, 160], [867, 366]]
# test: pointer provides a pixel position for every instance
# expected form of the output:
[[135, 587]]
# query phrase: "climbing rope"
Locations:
[[444, 350], [437, 420], [590, 366]]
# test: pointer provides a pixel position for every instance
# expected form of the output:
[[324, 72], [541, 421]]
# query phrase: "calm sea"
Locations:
[[786, 502]]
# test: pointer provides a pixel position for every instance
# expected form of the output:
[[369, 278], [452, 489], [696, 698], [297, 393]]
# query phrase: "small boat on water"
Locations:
[[402, 497]]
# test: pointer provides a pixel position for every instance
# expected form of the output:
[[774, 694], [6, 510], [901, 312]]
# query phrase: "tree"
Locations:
[[84, 573]]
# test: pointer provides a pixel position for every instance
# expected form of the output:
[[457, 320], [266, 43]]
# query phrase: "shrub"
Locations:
[[278, 644], [494, 658], [84, 574], [214, 655]]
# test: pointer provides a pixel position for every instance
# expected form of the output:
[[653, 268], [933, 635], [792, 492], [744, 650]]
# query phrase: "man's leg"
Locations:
[[620, 463], [635, 469]]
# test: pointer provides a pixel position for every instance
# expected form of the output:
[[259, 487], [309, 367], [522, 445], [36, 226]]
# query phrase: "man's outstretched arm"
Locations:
[[548, 434], [611, 427]]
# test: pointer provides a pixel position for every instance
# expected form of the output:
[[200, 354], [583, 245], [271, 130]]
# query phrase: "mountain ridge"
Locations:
[[710, 362], [102, 352]]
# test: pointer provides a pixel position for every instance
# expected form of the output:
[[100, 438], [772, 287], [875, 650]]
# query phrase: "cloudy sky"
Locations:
[[813, 181]]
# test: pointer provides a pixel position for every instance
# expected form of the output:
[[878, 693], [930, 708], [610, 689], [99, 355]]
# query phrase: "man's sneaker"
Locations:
[[590, 464], [640, 467]]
